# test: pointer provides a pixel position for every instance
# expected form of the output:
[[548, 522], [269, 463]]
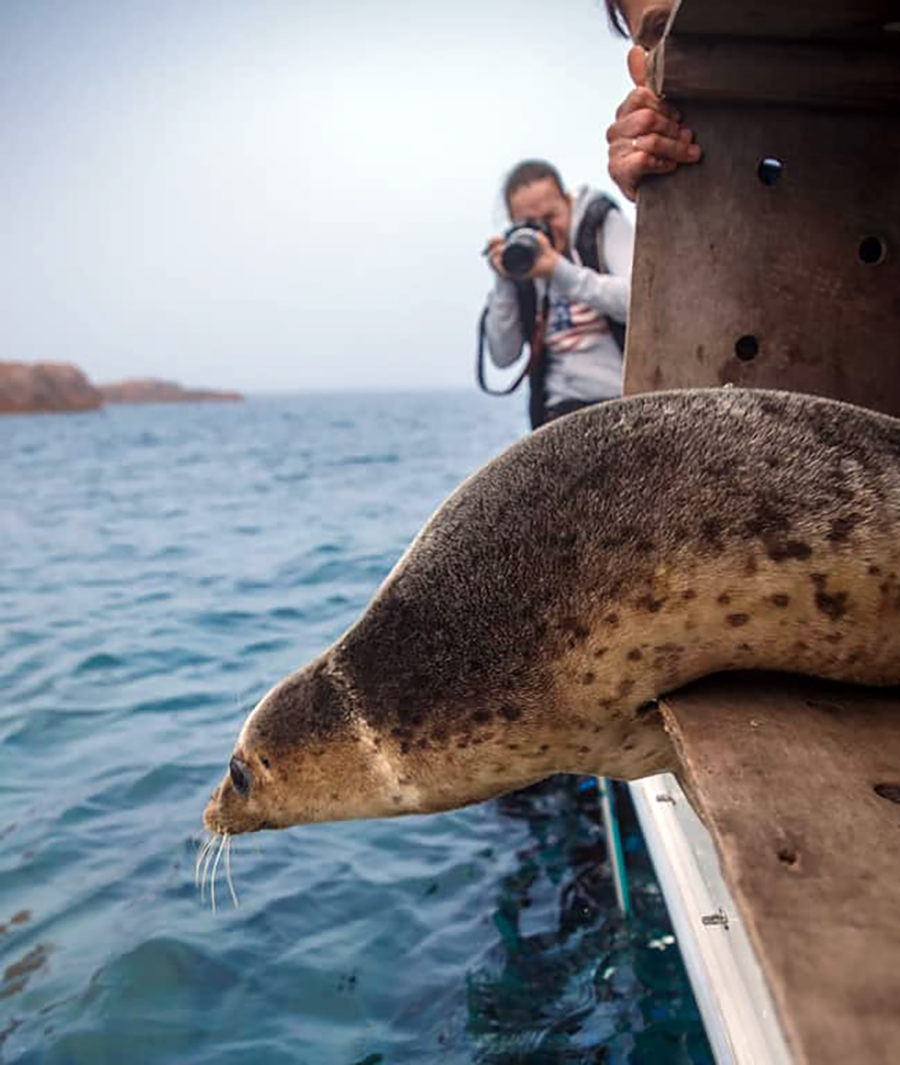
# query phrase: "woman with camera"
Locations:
[[562, 286]]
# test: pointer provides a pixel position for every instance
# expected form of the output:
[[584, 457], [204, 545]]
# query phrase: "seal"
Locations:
[[611, 557]]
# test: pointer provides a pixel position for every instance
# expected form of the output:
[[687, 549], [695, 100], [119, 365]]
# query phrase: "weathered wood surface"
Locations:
[[784, 772], [783, 274], [795, 73], [738, 281], [847, 19]]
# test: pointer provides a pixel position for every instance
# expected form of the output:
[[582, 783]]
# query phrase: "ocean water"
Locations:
[[160, 568]]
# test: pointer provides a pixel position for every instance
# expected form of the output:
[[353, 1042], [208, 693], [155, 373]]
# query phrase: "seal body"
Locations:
[[610, 557]]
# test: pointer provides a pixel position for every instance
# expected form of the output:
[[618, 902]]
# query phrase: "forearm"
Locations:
[[503, 328], [606, 293]]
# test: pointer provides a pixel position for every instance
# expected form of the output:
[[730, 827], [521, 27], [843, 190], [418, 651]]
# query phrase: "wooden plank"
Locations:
[[799, 19], [802, 74], [763, 285], [784, 772]]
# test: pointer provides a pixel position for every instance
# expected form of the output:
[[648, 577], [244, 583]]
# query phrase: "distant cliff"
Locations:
[[150, 390], [35, 387], [38, 387]]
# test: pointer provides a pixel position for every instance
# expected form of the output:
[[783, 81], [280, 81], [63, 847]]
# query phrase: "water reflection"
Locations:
[[570, 979]]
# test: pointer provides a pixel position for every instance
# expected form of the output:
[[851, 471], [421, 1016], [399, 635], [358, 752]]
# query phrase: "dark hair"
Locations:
[[527, 172], [616, 18]]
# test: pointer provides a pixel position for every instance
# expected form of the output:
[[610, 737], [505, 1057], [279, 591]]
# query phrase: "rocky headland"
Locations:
[[151, 390], [37, 387], [46, 387]]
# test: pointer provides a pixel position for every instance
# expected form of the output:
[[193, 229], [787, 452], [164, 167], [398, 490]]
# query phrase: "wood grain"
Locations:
[[783, 771], [722, 258], [796, 73]]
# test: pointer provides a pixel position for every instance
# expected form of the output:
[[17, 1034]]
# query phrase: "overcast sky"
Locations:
[[278, 194]]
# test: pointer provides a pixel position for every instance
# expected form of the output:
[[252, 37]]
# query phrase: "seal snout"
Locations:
[[241, 777], [234, 806]]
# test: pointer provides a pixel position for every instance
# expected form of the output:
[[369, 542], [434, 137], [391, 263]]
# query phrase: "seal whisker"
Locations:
[[201, 846], [201, 852], [228, 879], [207, 859], [215, 869]]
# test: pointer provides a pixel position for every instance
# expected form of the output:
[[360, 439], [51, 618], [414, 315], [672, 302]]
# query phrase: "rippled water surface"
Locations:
[[160, 567]]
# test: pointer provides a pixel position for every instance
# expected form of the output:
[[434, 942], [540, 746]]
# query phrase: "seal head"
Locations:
[[302, 756]]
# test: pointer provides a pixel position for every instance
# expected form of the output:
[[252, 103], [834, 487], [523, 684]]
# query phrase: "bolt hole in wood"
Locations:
[[747, 348], [769, 171], [891, 792], [872, 251], [789, 857]]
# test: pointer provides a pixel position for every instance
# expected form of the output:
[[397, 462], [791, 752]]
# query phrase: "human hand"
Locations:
[[546, 259], [647, 136], [494, 251]]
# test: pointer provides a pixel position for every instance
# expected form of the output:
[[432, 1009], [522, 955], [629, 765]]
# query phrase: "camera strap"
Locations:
[[535, 342]]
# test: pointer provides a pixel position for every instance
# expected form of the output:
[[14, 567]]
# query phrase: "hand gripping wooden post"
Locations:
[[775, 263]]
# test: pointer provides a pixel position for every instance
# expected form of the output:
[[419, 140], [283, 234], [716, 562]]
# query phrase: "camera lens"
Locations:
[[518, 259]]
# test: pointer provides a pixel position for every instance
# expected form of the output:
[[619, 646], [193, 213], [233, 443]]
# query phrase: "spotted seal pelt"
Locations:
[[608, 558]]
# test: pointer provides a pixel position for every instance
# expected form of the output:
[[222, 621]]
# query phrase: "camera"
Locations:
[[521, 247]]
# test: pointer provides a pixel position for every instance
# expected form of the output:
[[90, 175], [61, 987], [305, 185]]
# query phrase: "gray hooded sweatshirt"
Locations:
[[583, 361]]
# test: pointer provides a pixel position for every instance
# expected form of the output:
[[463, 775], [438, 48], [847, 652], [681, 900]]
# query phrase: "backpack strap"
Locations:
[[586, 244]]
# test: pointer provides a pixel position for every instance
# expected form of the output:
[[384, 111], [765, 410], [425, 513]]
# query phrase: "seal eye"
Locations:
[[265, 761], [240, 776]]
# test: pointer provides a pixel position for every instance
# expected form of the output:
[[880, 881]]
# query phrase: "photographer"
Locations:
[[562, 287]]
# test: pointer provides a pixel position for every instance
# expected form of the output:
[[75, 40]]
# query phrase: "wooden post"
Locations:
[[775, 263]]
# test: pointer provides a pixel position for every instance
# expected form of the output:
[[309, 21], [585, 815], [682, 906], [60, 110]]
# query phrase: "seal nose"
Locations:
[[240, 776]]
